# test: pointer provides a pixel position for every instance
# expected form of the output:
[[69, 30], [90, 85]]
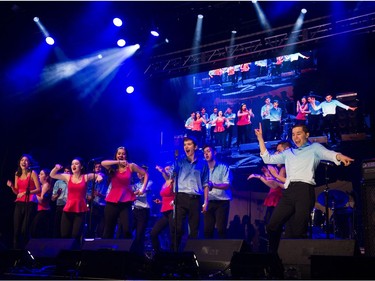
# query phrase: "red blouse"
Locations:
[[76, 201], [167, 196], [121, 190], [22, 186]]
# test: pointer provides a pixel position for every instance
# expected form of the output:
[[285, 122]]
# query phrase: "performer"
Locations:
[[265, 114], [96, 194], [230, 116], [191, 185], [274, 177], [219, 196], [243, 124], [299, 197], [219, 130], [120, 198], [329, 115], [315, 117], [141, 212], [196, 130], [26, 186], [167, 200], [59, 195], [302, 111], [275, 120], [73, 217], [40, 227]]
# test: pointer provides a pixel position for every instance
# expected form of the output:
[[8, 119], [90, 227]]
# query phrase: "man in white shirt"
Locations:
[[329, 115]]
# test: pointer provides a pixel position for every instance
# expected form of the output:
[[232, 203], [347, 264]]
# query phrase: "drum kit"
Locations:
[[338, 217]]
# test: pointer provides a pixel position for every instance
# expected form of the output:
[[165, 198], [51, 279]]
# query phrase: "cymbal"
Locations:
[[336, 198]]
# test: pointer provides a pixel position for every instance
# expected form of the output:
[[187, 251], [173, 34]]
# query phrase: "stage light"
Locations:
[[121, 43], [50, 40], [200, 16], [154, 33], [130, 89], [253, 1], [234, 32], [166, 40], [137, 46], [100, 56], [117, 22], [303, 11], [36, 19]]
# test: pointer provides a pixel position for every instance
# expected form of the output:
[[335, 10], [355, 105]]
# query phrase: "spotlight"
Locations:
[[117, 22], [100, 56], [200, 16], [253, 1], [137, 46], [130, 89], [234, 32], [121, 43], [303, 11], [36, 19], [154, 33], [50, 40], [166, 40]]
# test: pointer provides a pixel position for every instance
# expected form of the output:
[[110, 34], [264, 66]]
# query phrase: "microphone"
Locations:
[[328, 163]]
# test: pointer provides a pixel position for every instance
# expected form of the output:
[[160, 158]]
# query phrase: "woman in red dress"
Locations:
[[73, 217]]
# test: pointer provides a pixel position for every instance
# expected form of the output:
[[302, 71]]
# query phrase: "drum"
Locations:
[[317, 218], [343, 219]]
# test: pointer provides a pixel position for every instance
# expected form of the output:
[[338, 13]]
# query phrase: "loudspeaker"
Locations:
[[49, 248], [256, 266], [214, 255], [368, 211], [107, 244], [12, 259], [295, 253], [171, 265], [342, 268]]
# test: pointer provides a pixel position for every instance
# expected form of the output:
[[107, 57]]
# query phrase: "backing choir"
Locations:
[[59, 203]]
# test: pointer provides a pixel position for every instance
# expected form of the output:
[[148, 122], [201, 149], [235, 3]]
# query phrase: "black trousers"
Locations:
[[297, 201], [141, 217], [112, 212], [329, 126], [24, 214], [72, 225], [217, 214], [188, 207], [161, 224], [40, 227], [266, 128], [95, 220]]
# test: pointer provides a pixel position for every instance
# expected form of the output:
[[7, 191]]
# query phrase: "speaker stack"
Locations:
[[368, 210]]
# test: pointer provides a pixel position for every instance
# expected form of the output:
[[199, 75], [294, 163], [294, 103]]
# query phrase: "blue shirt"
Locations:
[[101, 187], [300, 163], [315, 111], [192, 177], [275, 114], [220, 174], [330, 107], [144, 200], [230, 118], [61, 200], [265, 111]]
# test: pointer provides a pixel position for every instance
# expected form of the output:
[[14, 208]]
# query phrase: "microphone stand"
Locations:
[[176, 171], [92, 202], [326, 197], [27, 211]]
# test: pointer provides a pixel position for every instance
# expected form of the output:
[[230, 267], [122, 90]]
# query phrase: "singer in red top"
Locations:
[[121, 196], [26, 186], [73, 217]]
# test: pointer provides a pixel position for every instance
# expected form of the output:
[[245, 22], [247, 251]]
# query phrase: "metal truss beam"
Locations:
[[257, 46]]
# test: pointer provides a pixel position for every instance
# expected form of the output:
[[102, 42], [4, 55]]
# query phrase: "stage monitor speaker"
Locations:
[[259, 266], [172, 265], [214, 255], [342, 268], [45, 248], [11, 260], [368, 211], [295, 253], [107, 244], [111, 264]]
